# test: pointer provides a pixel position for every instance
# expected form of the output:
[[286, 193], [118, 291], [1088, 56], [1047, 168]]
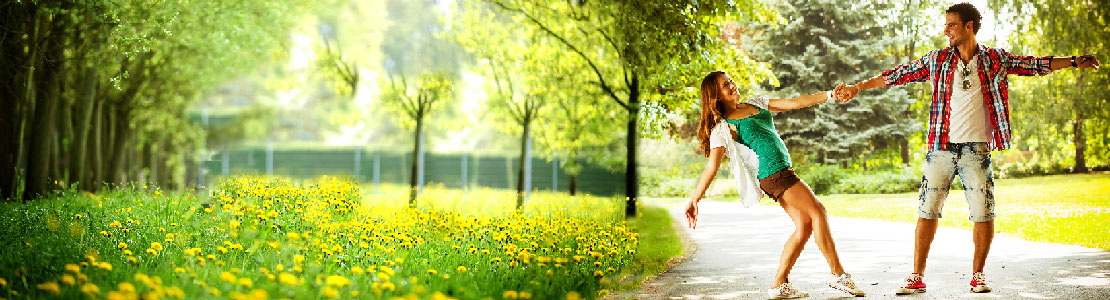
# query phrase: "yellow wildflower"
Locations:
[[50, 287], [338, 281], [288, 279], [68, 279], [73, 268], [509, 295], [90, 289], [330, 292]]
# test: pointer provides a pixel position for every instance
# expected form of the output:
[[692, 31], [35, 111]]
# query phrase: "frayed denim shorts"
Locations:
[[972, 161]]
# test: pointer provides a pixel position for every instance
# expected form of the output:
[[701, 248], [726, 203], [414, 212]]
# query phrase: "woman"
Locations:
[[749, 123]]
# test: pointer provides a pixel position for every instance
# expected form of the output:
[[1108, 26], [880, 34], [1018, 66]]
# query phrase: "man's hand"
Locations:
[[838, 92], [846, 92], [1087, 61], [692, 213]]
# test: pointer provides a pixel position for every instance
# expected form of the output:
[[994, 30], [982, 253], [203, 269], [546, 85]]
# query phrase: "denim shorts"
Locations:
[[972, 161]]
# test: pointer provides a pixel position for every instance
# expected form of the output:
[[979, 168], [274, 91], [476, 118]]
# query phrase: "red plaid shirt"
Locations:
[[994, 64]]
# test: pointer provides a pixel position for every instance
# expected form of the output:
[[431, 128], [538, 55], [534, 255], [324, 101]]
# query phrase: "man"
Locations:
[[969, 117]]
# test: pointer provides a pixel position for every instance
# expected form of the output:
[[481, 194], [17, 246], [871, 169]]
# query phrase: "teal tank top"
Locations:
[[758, 133]]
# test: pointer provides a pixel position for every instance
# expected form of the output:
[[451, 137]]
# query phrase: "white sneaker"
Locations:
[[844, 283], [979, 283], [785, 291]]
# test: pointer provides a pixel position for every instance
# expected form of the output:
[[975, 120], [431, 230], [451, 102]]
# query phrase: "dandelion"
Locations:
[[330, 292], [509, 295], [90, 289], [525, 295], [245, 282], [288, 279], [357, 270], [105, 265], [121, 245], [227, 276], [179, 270], [389, 286], [126, 287], [338, 281], [156, 246], [73, 268], [105, 233], [50, 287], [461, 269], [151, 251], [68, 279]]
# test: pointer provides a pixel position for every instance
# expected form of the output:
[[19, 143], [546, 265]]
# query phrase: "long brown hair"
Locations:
[[711, 108]]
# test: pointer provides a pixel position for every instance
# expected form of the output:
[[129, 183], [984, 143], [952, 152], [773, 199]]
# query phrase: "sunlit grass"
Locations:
[[1068, 209], [261, 238]]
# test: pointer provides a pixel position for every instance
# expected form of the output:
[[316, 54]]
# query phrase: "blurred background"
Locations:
[[596, 97]]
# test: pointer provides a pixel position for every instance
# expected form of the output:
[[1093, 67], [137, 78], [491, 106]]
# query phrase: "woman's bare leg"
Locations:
[[801, 197]]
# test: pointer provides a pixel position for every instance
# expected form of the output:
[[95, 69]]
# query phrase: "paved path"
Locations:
[[738, 251]]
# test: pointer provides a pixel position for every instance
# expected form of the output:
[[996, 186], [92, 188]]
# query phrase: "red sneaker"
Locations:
[[979, 283], [913, 284]]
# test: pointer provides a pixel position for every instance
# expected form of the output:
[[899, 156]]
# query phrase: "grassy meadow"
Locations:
[[272, 238]]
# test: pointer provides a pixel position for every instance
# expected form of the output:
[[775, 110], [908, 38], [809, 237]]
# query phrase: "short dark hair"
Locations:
[[967, 12]]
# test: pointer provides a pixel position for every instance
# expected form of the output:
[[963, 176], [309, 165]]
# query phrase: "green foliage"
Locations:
[[822, 44]]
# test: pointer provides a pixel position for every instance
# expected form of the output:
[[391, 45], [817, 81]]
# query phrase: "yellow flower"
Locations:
[[338, 281], [226, 276], [573, 295], [68, 279], [122, 245], [461, 269], [127, 252], [288, 279], [105, 233], [73, 268], [357, 270], [246, 282], [179, 270], [525, 295], [297, 259], [156, 246], [115, 224], [432, 271], [105, 265], [389, 286], [151, 251], [50, 287], [599, 273], [3, 282], [133, 260], [509, 295], [330, 292], [126, 287], [90, 289]]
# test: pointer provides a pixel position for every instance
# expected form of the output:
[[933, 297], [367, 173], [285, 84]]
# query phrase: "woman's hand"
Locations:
[[692, 213]]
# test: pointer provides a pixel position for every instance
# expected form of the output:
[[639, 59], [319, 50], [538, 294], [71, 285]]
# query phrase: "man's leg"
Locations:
[[983, 235], [926, 230]]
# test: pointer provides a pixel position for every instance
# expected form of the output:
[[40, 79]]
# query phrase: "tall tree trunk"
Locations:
[[415, 159], [82, 125], [527, 124], [121, 133], [1080, 146], [39, 163], [573, 183], [630, 176], [15, 86], [100, 133], [904, 144]]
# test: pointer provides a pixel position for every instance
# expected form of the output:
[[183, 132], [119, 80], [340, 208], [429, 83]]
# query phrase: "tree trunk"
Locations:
[[121, 133], [630, 176], [415, 160], [573, 183], [527, 125], [1080, 147], [95, 175], [904, 143], [39, 163], [16, 83], [78, 147]]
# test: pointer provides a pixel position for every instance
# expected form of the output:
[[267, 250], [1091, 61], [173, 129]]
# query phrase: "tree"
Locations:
[[95, 79], [624, 42], [1052, 114], [825, 43], [415, 102]]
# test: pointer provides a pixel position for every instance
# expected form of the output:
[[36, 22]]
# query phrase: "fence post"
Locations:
[[226, 162], [377, 172], [358, 160], [528, 168], [270, 156], [462, 182], [555, 174]]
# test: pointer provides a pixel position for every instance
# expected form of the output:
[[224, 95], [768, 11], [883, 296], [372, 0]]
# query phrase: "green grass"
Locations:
[[323, 239], [1067, 209], [659, 243]]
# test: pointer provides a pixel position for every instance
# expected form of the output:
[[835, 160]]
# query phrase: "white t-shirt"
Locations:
[[969, 120]]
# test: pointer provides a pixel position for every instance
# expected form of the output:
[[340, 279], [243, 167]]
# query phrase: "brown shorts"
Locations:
[[777, 184]]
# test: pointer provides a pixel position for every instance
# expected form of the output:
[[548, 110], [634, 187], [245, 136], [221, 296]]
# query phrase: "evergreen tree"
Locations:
[[825, 43]]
